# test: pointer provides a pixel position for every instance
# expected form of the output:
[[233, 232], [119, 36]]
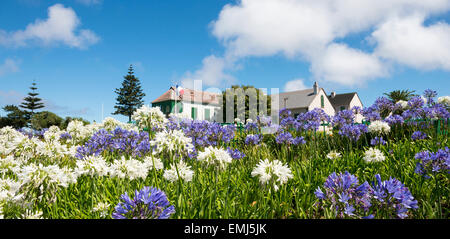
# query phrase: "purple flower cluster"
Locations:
[[384, 106], [371, 113], [253, 139], [353, 132], [417, 135], [429, 94], [377, 141], [33, 133], [204, 133], [149, 203], [392, 196], [65, 136], [311, 120], [235, 153], [343, 117], [344, 194], [117, 141], [394, 120], [287, 138], [432, 163]]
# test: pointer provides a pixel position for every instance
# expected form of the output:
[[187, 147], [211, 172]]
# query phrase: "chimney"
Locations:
[[333, 94], [316, 88]]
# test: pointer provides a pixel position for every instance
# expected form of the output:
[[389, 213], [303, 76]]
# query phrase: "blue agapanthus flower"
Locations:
[[235, 153], [377, 141], [149, 203], [392, 195], [433, 163], [417, 135]]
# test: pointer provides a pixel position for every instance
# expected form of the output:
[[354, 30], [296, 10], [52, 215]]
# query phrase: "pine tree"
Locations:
[[32, 102], [129, 96]]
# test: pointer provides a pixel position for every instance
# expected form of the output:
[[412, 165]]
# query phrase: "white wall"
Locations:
[[356, 102], [316, 103], [187, 107]]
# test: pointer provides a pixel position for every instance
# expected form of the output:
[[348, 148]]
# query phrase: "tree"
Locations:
[[129, 96], [239, 94], [45, 119], [15, 118], [398, 95], [32, 102]]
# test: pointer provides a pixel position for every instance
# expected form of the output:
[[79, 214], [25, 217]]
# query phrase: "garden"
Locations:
[[394, 164]]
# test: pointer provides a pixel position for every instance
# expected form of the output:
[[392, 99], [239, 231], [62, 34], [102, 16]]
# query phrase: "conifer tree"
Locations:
[[32, 102], [130, 95]]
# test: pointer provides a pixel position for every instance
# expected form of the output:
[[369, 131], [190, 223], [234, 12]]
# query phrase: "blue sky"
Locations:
[[78, 66]]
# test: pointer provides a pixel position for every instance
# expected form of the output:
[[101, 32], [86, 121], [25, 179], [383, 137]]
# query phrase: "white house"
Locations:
[[198, 104], [301, 101]]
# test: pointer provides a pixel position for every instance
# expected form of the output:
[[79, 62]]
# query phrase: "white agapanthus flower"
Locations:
[[403, 104], [36, 175], [10, 140], [80, 132], [153, 163], [92, 166], [149, 117], [379, 127], [9, 163], [373, 155], [53, 133], [9, 190], [172, 141], [215, 156], [129, 168], [184, 171], [334, 155], [32, 215], [102, 208], [110, 124], [444, 100], [272, 172]]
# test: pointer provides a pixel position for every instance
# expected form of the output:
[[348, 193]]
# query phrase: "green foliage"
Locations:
[[130, 95], [239, 94], [15, 117], [398, 95], [45, 119]]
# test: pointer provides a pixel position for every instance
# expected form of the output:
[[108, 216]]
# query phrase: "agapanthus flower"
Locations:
[[379, 127], [151, 118], [184, 171], [215, 156], [343, 117], [417, 135], [273, 173], [353, 132], [102, 208], [334, 155], [433, 163], [394, 120], [172, 141], [235, 153], [253, 139], [393, 195], [345, 196], [444, 100], [377, 141], [148, 203], [373, 155], [429, 94]]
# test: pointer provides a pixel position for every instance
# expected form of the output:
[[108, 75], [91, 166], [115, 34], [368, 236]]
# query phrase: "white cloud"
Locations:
[[10, 98], [293, 85], [309, 30], [212, 73], [9, 66], [408, 41], [346, 66], [61, 27]]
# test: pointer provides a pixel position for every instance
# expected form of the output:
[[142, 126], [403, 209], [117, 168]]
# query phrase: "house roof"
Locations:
[[296, 99], [342, 99], [189, 95]]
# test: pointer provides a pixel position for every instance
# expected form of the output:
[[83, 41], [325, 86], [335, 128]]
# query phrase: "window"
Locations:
[[207, 114], [167, 109], [194, 113], [322, 102]]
